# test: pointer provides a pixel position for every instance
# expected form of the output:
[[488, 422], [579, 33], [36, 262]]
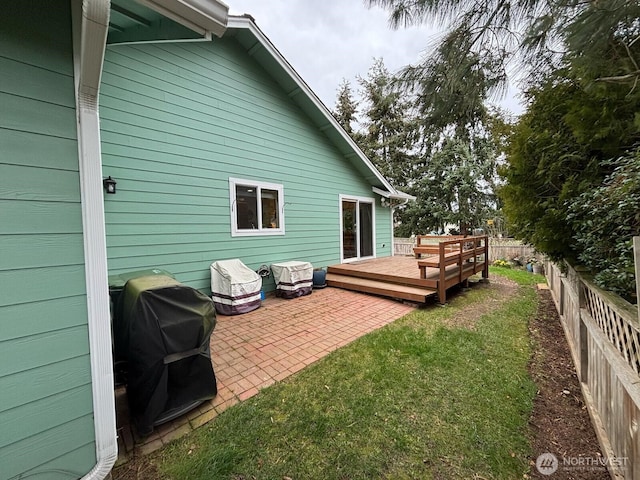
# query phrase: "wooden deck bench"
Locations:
[[447, 259], [430, 244], [435, 262], [426, 250]]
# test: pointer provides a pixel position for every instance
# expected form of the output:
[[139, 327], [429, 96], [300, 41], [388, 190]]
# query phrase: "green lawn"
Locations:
[[420, 398]]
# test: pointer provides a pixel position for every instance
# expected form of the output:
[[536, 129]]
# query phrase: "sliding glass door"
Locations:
[[358, 228]]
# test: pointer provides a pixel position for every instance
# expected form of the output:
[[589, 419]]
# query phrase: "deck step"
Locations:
[[405, 292], [400, 278]]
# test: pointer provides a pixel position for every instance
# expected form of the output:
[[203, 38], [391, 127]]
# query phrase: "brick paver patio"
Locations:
[[256, 349]]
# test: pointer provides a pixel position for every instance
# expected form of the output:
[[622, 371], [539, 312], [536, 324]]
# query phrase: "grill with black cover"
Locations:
[[162, 330]]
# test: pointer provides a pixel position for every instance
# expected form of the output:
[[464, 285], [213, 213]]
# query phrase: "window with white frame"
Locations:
[[257, 208]]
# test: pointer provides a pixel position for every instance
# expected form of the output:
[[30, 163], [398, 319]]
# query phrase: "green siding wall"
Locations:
[[177, 121], [46, 408]]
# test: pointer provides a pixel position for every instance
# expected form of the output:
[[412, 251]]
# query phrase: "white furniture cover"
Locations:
[[235, 288], [293, 279]]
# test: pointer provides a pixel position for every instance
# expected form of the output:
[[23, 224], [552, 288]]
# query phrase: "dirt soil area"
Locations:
[[559, 424]]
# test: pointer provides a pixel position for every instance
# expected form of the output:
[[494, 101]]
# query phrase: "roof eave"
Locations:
[[395, 195], [202, 16]]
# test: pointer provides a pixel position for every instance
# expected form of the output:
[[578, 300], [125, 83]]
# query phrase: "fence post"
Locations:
[[582, 298], [636, 256], [584, 340], [584, 351]]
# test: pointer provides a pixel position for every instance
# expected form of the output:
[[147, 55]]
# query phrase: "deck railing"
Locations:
[[467, 254], [499, 248]]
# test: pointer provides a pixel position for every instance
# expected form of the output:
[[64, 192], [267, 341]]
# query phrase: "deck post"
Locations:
[[460, 261], [485, 270], [442, 286]]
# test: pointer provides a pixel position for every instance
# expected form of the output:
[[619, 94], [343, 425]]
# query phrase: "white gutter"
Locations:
[[247, 23], [205, 17], [394, 195], [91, 25]]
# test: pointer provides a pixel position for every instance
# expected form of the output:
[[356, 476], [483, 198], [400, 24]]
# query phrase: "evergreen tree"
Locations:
[[456, 174], [455, 186], [539, 32], [389, 129], [605, 221], [346, 107], [560, 152], [575, 151]]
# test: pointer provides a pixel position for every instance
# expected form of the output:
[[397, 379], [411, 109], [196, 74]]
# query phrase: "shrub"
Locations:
[[605, 220], [501, 262]]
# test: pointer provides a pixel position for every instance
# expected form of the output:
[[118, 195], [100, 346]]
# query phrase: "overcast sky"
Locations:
[[328, 40]]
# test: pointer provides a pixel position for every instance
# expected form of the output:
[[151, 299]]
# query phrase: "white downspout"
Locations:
[[91, 25], [392, 207], [393, 246]]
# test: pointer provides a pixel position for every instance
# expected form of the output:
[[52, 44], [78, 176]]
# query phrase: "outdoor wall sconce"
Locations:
[[109, 185]]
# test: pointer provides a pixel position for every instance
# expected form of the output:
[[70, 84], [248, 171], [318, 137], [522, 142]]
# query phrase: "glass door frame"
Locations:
[[357, 200]]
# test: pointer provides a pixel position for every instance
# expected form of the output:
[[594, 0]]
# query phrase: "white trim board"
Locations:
[[358, 200], [258, 231]]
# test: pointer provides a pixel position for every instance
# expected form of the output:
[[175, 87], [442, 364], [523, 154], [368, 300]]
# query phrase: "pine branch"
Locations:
[[619, 78]]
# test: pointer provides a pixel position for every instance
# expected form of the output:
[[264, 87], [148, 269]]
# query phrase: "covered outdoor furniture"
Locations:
[[162, 330], [235, 288], [293, 279]]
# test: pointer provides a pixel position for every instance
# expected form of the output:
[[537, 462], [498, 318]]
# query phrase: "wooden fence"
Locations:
[[403, 246], [504, 248], [603, 333]]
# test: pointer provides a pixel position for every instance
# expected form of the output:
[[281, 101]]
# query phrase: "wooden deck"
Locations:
[[397, 277], [408, 278]]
